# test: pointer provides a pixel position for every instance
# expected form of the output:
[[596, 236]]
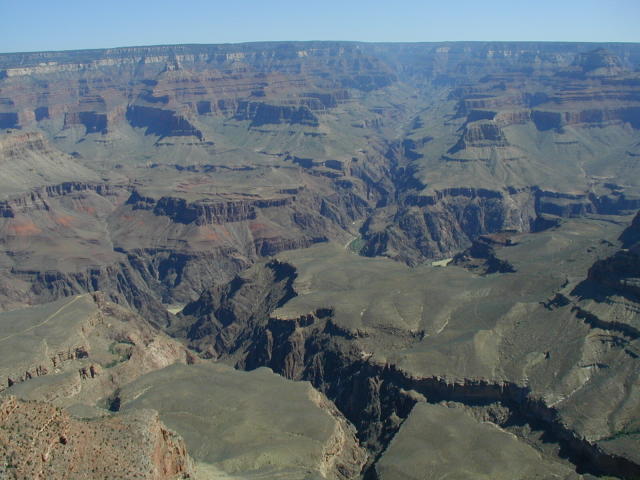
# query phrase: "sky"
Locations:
[[36, 25]]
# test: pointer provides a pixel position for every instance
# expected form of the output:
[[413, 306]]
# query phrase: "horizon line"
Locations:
[[255, 42]]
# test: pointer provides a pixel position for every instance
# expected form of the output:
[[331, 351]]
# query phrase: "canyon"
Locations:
[[321, 260]]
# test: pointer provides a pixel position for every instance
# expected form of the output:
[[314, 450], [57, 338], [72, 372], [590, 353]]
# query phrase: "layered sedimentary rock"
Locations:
[[92, 387], [163, 123], [198, 102], [79, 349], [207, 79], [262, 114], [163, 176], [610, 293], [102, 234]]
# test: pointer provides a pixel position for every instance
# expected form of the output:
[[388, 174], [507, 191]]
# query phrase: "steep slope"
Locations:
[[79, 349], [171, 234], [38, 440]]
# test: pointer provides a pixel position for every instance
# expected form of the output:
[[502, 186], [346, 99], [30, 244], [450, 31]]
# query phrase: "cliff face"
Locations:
[[166, 82], [631, 236], [619, 274], [244, 301], [481, 256], [262, 114], [163, 123], [441, 224]]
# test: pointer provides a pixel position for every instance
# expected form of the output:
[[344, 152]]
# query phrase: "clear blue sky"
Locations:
[[31, 25]]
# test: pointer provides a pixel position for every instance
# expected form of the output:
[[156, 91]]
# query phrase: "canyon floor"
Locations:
[[321, 260]]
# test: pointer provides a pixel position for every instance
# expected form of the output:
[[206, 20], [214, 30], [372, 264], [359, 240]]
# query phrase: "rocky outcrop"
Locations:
[[85, 347], [548, 120], [631, 235], [205, 211], [598, 62], [31, 163], [479, 134], [217, 235], [38, 440], [264, 83], [481, 256], [161, 122], [93, 122], [259, 114], [37, 199], [120, 282], [618, 274], [12, 146], [56, 361], [245, 300], [324, 100], [442, 223], [266, 247]]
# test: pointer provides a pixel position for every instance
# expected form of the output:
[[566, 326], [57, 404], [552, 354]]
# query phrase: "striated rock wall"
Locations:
[[442, 223], [93, 122], [205, 212], [547, 120], [120, 282], [37, 199], [263, 114], [56, 361], [166, 82]]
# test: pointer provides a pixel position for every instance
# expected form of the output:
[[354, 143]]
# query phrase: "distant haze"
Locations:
[[45, 25]]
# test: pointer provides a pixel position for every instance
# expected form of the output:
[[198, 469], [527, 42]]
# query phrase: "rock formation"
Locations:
[[38, 440], [167, 211]]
